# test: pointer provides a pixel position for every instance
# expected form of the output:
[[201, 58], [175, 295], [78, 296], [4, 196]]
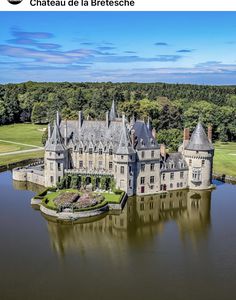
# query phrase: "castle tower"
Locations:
[[199, 153], [56, 157], [124, 161], [148, 159]]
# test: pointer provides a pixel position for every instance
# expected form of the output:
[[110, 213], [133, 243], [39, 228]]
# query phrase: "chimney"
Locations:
[[80, 119], [209, 133], [133, 137], [163, 150], [107, 119], [49, 130], [154, 133], [65, 133], [186, 137]]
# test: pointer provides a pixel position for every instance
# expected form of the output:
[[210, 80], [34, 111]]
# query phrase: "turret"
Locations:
[[56, 159], [199, 153], [124, 161]]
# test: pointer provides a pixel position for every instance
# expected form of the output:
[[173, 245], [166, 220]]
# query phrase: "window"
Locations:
[[51, 166], [164, 176], [90, 150], [90, 164], [203, 163], [110, 165], [100, 151], [59, 153], [151, 187], [51, 179], [100, 164], [196, 175], [152, 153], [142, 180], [59, 178], [80, 150], [142, 154], [110, 152], [131, 157], [152, 167], [142, 167], [190, 162], [130, 184], [177, 184], [161, 187], [59, 166], [181, 175], [172, 175], [130, 169], [152, 179], [80, 164], [122, 170], [122, 156], [171, 185], [181, 184]]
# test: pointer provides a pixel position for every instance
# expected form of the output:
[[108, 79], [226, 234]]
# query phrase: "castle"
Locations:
[[125, 151]]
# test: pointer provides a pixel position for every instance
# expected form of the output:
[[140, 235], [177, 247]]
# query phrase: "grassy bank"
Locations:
[[225, 159], [17, 138]]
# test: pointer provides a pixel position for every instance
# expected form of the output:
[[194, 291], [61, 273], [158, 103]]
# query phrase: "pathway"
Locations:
[[36, 148]]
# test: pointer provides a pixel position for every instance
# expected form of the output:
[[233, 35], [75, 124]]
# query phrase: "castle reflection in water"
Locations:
[[141, 221]]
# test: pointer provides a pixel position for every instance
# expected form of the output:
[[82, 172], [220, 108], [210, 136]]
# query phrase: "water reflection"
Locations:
[[142, 220]]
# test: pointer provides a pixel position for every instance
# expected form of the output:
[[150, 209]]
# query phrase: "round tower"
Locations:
[[199, 153]]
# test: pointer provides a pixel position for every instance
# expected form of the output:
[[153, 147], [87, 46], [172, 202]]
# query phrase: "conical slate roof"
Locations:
[[125, 146], [113, 113], [199, 140], [55, 142]]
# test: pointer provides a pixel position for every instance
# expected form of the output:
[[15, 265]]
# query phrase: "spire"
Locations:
[[132, 121], [125, 146], [199, 140], [113, 112], [55, 142], [149, 126]]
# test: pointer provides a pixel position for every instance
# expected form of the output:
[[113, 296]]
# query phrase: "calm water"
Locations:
[[185, 249]]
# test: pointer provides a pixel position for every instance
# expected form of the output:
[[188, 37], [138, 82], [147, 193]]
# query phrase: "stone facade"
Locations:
[[129, 152]]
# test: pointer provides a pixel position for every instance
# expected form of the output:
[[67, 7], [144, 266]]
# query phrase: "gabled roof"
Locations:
[[55, 142], [199, 140]]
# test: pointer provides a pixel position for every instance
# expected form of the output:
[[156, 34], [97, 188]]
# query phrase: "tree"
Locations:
[[172, 138], [39, 114]]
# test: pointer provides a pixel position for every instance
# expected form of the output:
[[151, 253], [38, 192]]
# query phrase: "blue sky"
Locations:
[[179, 47]]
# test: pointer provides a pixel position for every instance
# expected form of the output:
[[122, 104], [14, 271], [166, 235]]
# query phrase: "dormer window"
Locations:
[[100, 151], [142, 142], [90, 150], [80, 150], [110, 151], [152, 153]]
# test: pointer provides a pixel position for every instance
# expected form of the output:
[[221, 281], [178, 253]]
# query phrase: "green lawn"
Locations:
[[225, 158], [28, 134], [8, 159], [22, 133], [112, 198]]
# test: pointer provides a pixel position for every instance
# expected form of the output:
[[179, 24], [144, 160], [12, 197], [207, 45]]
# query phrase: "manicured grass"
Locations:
[[225, 159], [109, 198], [114, 198], [8, 147], [8, 159], [22, 133], [28, 134]]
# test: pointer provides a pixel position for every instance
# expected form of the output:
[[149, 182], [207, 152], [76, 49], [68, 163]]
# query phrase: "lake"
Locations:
[[175, 246]]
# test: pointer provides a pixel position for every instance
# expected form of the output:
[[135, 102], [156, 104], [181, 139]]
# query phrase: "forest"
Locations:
[[171, 107]]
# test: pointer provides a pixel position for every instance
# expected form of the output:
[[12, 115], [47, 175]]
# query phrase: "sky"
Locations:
[[174, 47]]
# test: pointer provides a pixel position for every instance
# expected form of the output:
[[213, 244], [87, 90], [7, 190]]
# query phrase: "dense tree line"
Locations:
[[170, 106]]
